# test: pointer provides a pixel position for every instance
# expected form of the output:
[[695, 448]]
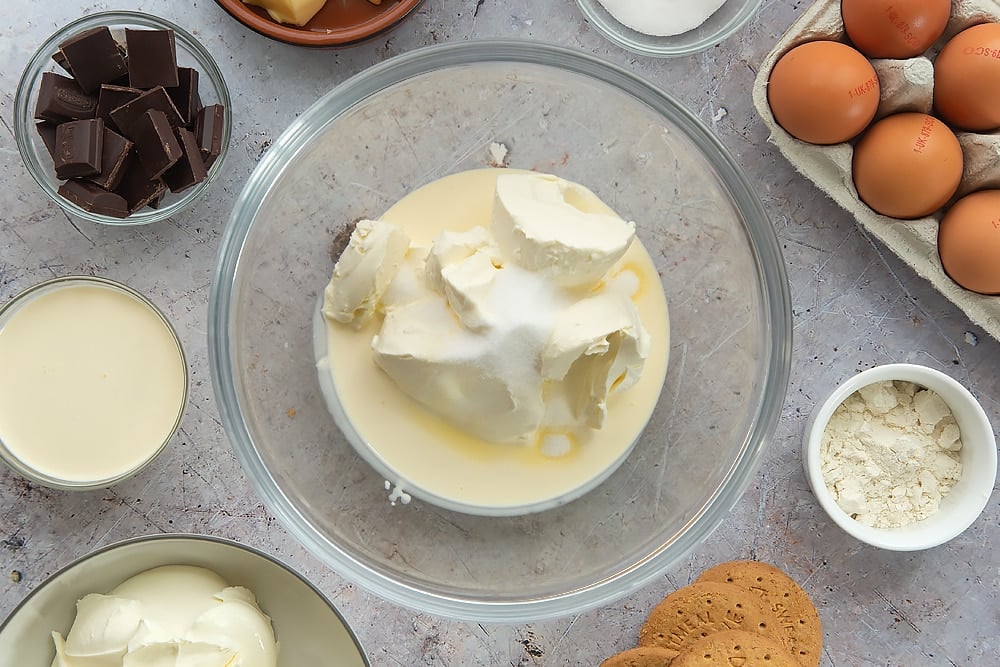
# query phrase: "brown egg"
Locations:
[[823, 92], [967, 79], [969, 242], [907, 165], [894, 28]]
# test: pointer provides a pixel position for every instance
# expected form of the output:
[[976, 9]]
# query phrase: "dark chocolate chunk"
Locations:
[[155, 142], [136, 187], [156, 98], [185, 94], [93, 198], [121, 81], [111, 97], [152, 58], [190, 169], [61, 98], [94, 58], [60, 59], [47, 131], [208, 131], [157, 201], [116, 151], [79, 148]]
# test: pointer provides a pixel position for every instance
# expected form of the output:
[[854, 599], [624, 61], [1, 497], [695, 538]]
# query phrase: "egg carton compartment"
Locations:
[[906, 85]]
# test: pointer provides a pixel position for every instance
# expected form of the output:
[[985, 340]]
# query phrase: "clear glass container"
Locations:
[[190, 53], [722, 24], [35, 473], [436, 111]]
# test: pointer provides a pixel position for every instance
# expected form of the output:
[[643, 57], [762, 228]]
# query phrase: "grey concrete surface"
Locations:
[[855, 305]]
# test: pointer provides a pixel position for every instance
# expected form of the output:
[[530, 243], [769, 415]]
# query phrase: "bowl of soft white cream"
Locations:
[[901, 456], [668, 28], [499, 330], [184, 600]]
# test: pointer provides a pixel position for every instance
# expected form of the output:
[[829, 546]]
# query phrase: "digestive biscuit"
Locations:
[[795, 621]]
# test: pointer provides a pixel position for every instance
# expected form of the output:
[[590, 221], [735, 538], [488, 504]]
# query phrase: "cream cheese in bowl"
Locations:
[[429, 115], [177, 600], [180, 615], [93, 385], [495, 343]]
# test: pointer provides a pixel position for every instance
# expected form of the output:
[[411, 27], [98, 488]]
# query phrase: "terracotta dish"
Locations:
[[338, 23]]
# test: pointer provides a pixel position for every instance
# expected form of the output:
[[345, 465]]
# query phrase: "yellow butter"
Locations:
[[295, 12]]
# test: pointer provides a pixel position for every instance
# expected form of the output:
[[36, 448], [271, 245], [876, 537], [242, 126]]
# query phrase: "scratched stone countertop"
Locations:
[[855, 306]]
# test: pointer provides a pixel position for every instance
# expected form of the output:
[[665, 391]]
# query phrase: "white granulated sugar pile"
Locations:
[[890, 453], [662, 18]]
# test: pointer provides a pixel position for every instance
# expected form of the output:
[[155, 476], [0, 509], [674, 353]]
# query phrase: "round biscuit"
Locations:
[[642, 656], [735, 647], [698, 610], [795, 622]]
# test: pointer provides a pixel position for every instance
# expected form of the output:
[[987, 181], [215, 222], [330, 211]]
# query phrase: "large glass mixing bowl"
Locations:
[[433, 112]]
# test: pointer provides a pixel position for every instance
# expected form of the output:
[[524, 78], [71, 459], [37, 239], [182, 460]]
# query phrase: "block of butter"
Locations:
[[293, 12], [906, 85]]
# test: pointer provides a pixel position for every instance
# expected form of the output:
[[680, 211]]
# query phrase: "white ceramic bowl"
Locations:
[[978, 455], [309, 630]]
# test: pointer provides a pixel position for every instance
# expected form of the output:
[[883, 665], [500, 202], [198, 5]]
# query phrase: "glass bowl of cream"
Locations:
[[380, 486], [668, 28], [177, 599], [94, 382]]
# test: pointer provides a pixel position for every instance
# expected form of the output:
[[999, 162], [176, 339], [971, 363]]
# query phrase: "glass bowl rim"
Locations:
[[640, 44], [24, 116], [760, 237], [182, 537], [24, 296]]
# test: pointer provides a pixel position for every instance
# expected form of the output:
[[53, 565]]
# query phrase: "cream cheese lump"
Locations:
[[169, 616], [455, 270]]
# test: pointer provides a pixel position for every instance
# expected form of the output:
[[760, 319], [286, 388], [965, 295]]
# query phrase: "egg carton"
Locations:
[[906, 85]]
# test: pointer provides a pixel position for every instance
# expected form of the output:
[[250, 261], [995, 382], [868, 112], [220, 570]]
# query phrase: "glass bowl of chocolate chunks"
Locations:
[[122, 118]]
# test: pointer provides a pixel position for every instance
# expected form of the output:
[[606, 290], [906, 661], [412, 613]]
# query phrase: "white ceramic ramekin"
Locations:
[[966, 499]]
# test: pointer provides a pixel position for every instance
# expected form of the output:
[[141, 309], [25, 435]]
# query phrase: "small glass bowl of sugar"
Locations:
[[667, 28], [901, 456]]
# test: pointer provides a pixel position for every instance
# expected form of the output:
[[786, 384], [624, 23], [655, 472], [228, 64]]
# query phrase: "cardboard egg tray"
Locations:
[[907, 85]]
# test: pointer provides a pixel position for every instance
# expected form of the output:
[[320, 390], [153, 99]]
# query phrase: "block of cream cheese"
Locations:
[[485, 381], [598, 345], [364, 271], [452, 247], [546, 223]]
